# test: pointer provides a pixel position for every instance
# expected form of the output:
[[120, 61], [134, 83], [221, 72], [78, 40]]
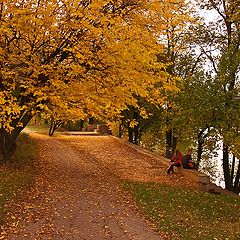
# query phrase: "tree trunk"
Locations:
[[199, 151], [8, 146], [168, 153], [136, 129], [130, 134], [174, 144], [51, 129], [233, 166], [8, 143], [136, 134], [226, 169], [201, 137], [236, 187], [8, 139], [120, 131], [54, 126]]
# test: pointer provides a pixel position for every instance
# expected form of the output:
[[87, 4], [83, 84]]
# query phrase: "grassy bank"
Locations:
[[18, 176], [43, 129], [187, 214]]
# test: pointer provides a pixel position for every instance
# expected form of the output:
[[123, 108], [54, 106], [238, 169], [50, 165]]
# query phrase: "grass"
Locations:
[[187, 214], [43, 129], [19, 175]]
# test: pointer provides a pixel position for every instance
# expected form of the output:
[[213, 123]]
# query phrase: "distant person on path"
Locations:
[[176, 161], [187, 160]]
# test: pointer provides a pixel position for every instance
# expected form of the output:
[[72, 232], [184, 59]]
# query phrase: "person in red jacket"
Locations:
[[176, 161]]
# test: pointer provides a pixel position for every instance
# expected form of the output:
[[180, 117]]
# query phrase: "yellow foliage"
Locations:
[[73, 58]]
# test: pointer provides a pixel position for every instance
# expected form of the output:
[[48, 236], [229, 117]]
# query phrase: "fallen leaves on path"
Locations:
[[77, 194], [125, 161]]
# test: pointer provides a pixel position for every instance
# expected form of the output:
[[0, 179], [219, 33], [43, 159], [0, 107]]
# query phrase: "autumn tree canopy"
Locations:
[[98, 53]]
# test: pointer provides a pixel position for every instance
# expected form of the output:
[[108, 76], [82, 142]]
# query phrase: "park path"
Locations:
[[78, 193]]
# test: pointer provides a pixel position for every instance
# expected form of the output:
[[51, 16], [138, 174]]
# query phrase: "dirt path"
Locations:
[[78, 196]]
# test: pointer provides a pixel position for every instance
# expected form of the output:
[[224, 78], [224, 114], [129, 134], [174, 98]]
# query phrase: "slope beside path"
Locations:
[[78, 194]]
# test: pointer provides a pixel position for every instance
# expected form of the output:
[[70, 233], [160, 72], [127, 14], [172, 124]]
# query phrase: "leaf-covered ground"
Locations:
[[78, 193], [17, 176]]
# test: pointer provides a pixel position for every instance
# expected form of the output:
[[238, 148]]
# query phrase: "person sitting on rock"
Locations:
[[187, 162], [176, 161]]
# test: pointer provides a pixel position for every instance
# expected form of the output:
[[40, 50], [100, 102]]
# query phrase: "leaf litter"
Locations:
[[78, 193]]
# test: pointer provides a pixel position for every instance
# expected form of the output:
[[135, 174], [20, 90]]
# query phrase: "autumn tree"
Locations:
[[104, 50]]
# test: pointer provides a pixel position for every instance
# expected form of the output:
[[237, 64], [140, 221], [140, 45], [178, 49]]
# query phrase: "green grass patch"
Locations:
[[19, 175], [187, 214], [43, 129]]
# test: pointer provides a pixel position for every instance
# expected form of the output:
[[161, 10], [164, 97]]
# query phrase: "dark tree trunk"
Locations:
[[201, 137], [7, 145], [54, 125], [51, 129], [169, 144], [226, 169], [136, 134], [120, 130], [199, 151], [200, 140], [139, 135], [130, 134], [236, 187], [133, 132], [136, 128], [174, 144], [8, 139], [233, 167]]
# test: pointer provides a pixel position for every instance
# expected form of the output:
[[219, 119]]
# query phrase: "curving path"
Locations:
[[78, 194]]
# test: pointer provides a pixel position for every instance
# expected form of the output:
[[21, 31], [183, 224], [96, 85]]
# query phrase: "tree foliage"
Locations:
[[99, 53], [217, 103]]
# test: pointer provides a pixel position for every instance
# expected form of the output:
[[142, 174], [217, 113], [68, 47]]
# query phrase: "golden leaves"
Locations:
[[95, 57]]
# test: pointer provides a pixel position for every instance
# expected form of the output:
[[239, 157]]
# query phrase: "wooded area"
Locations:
[[157, 69]]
